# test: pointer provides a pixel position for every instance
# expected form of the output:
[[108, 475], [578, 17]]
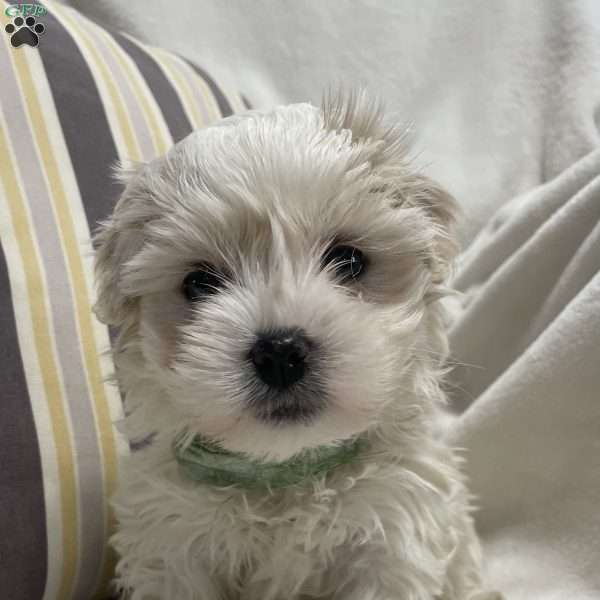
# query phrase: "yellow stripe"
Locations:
[[107, 572], [161, 139], [48, 367], [189, 75], [181, 86], [75, 267], [131, 150], [237, 104]]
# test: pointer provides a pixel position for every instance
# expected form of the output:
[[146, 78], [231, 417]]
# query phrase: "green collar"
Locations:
[[208, 462]]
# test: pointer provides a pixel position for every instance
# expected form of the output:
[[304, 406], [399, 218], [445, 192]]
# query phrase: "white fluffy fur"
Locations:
[[260, 196]]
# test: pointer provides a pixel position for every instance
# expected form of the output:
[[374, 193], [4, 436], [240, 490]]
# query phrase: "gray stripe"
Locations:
[[83, 121], [222, 102], [87, 459], [134, 108], [23, 544], [246, 102], [170, 105]]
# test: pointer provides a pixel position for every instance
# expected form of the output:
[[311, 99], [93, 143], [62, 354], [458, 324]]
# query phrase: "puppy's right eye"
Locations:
[[349, 263], [203, 282]]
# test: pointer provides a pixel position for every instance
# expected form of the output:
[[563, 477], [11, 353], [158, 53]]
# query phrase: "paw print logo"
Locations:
[[25, 31]]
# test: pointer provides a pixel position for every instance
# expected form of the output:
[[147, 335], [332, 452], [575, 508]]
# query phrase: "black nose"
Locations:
[[280, 357]]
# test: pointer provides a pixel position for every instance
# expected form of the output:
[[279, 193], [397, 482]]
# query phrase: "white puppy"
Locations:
[[276, 280]]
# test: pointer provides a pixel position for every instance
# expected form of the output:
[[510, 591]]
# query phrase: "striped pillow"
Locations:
[[69, 108]]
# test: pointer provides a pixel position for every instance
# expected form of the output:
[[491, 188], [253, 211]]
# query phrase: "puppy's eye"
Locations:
[[203, 282], [348, 263]]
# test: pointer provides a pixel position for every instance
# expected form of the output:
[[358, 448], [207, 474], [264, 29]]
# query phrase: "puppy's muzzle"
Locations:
[[280, 357]]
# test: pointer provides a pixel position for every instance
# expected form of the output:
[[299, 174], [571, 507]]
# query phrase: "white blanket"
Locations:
[[529, 338], [505, 97]]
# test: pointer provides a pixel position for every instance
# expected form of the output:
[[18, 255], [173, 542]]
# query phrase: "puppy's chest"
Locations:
[[281, 541], [299, 538], [264, 523]]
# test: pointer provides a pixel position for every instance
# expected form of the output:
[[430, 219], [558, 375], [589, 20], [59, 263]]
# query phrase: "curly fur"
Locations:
[[261, 196]]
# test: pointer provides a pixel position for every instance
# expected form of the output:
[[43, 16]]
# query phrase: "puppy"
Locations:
[[276, 279]]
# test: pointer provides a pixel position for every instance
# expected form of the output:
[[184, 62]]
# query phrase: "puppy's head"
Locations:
[[276, 273]]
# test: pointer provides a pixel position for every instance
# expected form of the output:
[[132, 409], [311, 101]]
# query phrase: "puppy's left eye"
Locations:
[[348, 263], [203, 282]]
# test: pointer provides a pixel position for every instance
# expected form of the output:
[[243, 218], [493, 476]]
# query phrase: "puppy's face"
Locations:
[[277, 271]]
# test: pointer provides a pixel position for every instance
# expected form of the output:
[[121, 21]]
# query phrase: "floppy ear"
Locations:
[[116, 241], [441, 211], [363, 116]]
